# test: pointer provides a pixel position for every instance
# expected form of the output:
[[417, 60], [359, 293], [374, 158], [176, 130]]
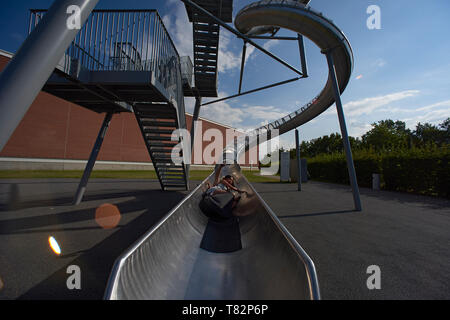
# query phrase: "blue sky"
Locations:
[[401, 72]]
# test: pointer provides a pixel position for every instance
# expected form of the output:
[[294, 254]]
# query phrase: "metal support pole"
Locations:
[[93, 157], [299, 161], [301, 46], [235, 151], [252, 91], [25, 75], [348, 151], [198, 103], [244, 52]]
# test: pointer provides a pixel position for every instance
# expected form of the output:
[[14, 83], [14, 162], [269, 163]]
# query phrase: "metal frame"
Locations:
[[343, 126], [92, 158], [299, 160], [241, 35], [198, 103], [46, 44], [247, 39]]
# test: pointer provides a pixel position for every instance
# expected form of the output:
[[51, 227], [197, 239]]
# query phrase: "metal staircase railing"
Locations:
[[134, 41]]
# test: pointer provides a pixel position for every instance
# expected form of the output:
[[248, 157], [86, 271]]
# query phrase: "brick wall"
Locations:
[[57, 129]]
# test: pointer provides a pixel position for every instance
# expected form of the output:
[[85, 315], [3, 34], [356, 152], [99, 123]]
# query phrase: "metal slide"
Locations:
[[168, 263]]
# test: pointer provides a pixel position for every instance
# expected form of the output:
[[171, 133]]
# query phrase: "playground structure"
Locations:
[[125, 61]]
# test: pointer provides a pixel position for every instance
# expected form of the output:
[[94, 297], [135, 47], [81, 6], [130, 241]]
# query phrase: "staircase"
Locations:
[[157, 121], [142, 73], [206, 33]]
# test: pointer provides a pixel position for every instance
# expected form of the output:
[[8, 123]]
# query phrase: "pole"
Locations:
[[92, 158], [348, 151], [25, 75], [198, 103], [299, 161], [301, 46]]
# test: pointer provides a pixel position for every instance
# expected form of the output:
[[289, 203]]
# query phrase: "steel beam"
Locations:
[[25, 75], [93, 157], [240, 35], [244, 52], [301, 46], [340, 111], [253, 91], [299, 161], [198, 104]]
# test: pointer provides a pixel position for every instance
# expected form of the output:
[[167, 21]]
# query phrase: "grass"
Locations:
[[196, 175]]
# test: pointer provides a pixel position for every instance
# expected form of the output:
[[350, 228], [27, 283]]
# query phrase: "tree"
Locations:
[[445, 127], [387, 135], [427, 133]]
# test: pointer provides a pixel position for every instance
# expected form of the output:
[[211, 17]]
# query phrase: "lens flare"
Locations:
[[107, 216], [54, 245]]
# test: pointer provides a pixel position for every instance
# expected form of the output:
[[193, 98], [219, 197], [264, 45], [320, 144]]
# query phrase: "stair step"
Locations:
[[159, 138], [160, 161], [205, 63], [206, 27], [167, 150], [174, 180], [204, 56], [169, 168], [169, 114], [206, 42], [152, 123], [205, 69], [152, 144], [158, 131], [205, 49], [206, 36], [172, 176], [164, 156]]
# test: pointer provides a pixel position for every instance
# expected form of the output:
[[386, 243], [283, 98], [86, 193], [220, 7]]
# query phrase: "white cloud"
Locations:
[[435, 105], [266, 113], [222, 112], [433, 117], [379, 63], [177, 23], [270, 44], [370, 105], [357, 129]]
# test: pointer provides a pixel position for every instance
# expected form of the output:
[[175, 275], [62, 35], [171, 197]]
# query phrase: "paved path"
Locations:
[[33, 210], [407, 236]]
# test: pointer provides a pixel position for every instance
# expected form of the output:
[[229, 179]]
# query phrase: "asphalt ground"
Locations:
[[406, 236]]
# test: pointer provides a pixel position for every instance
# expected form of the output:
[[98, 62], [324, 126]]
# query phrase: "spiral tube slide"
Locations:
[[298, 17]]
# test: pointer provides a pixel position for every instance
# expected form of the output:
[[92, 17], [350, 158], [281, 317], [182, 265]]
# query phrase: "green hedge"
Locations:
[[422, 171]]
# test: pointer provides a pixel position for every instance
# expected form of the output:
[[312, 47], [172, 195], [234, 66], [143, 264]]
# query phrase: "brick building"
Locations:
[[57, 134]]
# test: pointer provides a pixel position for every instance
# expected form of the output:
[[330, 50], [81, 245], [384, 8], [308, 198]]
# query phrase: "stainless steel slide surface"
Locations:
[[298, 17], [168, 263]]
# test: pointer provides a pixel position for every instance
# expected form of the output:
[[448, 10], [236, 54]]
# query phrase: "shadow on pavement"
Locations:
[[96, 262]]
